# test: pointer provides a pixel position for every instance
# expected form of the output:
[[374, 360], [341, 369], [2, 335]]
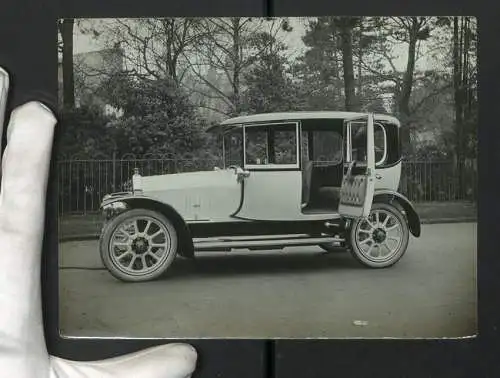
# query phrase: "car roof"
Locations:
[[296, 116]]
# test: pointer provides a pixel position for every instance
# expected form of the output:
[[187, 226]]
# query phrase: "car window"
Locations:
[[271, 144], [233, 148], [358, 141], [285, 144], [256, 145], [380, 140]]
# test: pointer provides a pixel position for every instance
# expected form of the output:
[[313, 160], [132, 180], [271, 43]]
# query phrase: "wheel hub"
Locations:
[[140, 245], [379, 235]]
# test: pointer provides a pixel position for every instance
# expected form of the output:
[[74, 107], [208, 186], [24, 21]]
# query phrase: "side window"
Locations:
[[285, 144], [256, 146], [271, 145], [233, 148], [358, 142], [380, 139]]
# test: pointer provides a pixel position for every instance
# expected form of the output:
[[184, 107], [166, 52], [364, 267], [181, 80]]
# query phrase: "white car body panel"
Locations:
[[388, 178], [272, 196], [197, 196], [214, 196]]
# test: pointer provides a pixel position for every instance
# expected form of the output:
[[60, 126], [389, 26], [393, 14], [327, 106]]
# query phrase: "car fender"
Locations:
[[141, 201], [389, 196]]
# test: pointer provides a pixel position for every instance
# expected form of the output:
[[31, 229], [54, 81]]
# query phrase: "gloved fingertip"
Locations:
[[184, 356], [4, 72]]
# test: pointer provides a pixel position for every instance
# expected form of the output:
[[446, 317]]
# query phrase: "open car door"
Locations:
[[358, 183]]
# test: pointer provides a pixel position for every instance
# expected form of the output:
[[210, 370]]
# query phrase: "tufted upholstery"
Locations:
[[353, 190]]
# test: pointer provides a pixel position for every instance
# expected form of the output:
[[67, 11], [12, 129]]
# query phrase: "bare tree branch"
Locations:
[[208, 107]]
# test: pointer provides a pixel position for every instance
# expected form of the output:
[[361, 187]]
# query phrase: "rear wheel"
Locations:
[[138, 245], [381, 240]]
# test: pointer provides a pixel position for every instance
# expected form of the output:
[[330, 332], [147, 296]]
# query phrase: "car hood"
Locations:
[[187, 180]]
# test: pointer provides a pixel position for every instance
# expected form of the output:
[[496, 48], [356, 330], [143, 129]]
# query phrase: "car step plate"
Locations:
[[264, 243]]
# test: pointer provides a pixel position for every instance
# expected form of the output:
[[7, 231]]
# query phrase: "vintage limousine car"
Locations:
[[328, 179]]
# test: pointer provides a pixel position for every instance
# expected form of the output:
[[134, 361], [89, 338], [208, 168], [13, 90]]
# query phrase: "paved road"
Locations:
[[299, 292]]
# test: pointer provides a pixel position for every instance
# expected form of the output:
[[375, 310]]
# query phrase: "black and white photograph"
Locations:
[[276, 178]]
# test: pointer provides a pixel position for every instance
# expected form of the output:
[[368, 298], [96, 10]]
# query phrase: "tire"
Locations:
[[130, 253], [366, 236]]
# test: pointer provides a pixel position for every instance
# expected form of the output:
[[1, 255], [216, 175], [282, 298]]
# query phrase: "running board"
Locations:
[[227, 244]]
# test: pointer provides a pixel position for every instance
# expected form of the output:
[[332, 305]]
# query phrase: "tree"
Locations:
[[228, 51], [412, 30], [85, 134], [268, 87], [336, 45], [319, 69], [224, 49], [153, 48], [463, 83], [381, 62], [346, 26], [376, 106], [157, 117], [66, 27]]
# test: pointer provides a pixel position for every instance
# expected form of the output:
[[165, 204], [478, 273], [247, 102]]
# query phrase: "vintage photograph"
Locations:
[[268, 177]]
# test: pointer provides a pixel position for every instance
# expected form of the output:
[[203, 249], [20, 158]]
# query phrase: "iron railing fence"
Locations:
[[429, 181], [83, 183]]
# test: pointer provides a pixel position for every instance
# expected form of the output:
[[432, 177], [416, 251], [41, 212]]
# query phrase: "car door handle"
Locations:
[[242, 175], [378, 176]]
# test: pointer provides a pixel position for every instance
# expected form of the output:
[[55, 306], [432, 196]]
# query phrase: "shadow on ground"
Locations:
[[225, 266]]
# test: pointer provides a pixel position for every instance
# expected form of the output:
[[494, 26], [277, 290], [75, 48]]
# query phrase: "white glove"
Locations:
[[23, 352]]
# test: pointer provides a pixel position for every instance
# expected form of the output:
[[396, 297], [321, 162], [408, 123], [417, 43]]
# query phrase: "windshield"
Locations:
[[233, 147]]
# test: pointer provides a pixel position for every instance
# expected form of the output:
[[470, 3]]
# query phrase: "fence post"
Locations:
[[114, 170]]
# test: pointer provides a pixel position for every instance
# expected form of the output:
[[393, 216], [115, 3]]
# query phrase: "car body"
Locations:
[[289, 179]]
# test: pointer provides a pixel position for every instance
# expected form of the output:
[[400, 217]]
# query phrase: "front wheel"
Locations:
[[138, 245], [381, 240]]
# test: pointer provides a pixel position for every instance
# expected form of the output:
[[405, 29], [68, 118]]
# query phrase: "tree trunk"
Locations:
[[236, 64], [170, 45], [349, 82], [465, 69], [360, 59], [407, 85], [67, 63], [457, 84], [337, 90]]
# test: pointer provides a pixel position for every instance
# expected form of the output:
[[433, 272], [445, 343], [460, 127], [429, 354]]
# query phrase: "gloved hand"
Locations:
[[23, 353]]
